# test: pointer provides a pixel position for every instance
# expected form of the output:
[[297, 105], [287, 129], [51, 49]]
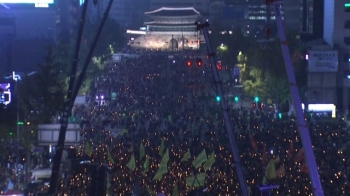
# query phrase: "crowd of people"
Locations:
[[162, 103]]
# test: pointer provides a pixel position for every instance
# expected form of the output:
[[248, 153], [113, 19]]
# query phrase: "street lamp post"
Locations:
[[16, 78]]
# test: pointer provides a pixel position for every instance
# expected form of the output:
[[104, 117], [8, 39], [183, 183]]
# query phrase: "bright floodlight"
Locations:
[[28, 1]]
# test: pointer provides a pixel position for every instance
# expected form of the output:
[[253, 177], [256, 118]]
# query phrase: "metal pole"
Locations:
[[224, 109], [303, 129], [91, 50], [67, 107], [17, 127]]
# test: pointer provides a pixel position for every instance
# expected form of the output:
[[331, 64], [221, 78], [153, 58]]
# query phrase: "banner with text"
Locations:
[[323, 61]]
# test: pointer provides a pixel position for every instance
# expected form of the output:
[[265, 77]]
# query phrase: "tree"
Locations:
[[229, 44], [42, 94], [263, 73], [252, 74], [7, 132], [96, 69], [276, 90], [111, 38]]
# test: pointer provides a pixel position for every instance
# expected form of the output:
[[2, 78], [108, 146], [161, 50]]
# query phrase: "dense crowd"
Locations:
[[163, 104]]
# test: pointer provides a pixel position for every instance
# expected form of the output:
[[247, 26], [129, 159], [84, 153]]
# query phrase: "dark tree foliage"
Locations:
[[234, 41], [42, 94], [112, 37]]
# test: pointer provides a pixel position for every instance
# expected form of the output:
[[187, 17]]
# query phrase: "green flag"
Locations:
[[170, 118], [270, 172], [209, 162], [142, 150], [187, 156], [131, 164], [150, 191], [201, 179], [175, 191], [161, 148], [146, 164], [131, 149], [165, 158], [196, 181], [125, 131], [202, 157], [88, 149], [163, 169], [190, 181], [110, 157]]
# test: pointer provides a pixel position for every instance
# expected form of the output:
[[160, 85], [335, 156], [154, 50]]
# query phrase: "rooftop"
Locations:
[[169, 24], [168, 11]]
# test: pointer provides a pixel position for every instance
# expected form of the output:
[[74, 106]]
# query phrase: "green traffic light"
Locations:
[[10, 133], [256, 99], [218, 98], [236, 99], [20, 123], [280, 115]]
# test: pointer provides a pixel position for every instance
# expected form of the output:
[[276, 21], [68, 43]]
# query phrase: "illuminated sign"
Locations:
[[136, 32], [5, 86], [42, 5], [28, 1], [321, 108], [5, 94], [323, 61]]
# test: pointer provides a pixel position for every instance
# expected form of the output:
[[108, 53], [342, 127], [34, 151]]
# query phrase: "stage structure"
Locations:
[[170, 29]]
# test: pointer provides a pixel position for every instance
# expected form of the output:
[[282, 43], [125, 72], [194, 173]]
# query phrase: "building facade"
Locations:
[[128, 13], [168, 29], [25, 31], [7, 35], [67, 19], [201, 5], [301, 15], [32, 22], [311, 20], [336, 30], [322, 75]]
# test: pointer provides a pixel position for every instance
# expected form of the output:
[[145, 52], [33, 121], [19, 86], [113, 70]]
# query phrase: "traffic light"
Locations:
[[199, 62], [262, 106], [280, 115], [219, 66], [236, 98], [20, 123], [254, 105], [218, 98], [256, 99], [189, 63]]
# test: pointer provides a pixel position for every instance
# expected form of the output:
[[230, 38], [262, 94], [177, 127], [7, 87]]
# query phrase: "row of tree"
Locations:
[[41, 96], [261, 63]]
